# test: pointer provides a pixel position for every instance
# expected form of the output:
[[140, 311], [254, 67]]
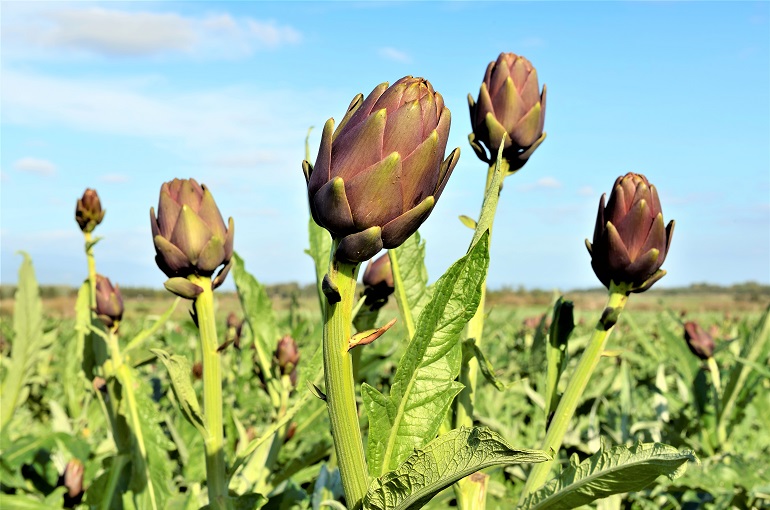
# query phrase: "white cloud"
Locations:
[[35, 166], [585, 191], [53, 32], [114, 178], [394, 54], [543, 183]]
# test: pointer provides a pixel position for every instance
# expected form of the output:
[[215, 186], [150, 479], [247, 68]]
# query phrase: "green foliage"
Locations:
[[28, 344], [439, 464], [614, 471], [179, 370], [424, 384]]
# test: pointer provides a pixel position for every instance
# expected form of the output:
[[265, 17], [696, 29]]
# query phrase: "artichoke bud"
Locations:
[[109, 302], [378, 282], [234, 329], [190, 236], [698, 340], [630, 240], [380, 172], [286, 357], [72, 479], [88, 211], [510, 107]]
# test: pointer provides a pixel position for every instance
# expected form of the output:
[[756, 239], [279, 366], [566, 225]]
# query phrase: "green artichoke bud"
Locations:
[[379, 174], [511, 107], [190, 236], [378, 282], [109, 302], [630, 239], [88, 211], [700, 343], [286, 356]]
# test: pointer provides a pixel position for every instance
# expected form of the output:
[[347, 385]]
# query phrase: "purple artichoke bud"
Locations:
[[379, 174], [234, 329], [109, 302], [510, 105], [190, 236], [287, 357], [700, 343], [72, 479], [378, 282], [88, 211], [630, 239]]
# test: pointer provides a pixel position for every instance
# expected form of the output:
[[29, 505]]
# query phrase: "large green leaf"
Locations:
[[28, 341], [259, 314], [411, 278], [617, 470], [424, 384], [442, 462], [179, 371]]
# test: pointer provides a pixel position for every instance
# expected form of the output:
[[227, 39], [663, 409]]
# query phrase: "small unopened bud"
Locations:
[[72, 479], [234, 329], [197, 371], [109, 302], [287, 357], [88, 211], [700, 343], [378, 282]]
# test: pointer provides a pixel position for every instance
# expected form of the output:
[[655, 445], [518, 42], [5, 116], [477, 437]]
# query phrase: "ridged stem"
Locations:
[[576, 386], [216, 479], [340, 387], [471, 490]]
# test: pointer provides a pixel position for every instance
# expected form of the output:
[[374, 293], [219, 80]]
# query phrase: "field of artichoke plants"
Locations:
[[436, 401]]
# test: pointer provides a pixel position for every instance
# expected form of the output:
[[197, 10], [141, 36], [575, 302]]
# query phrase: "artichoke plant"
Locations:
[[88, 211], [378, 175], [698, 340], [190, 236], [378, 282], [630, 240], [286, 356], [109, 301], [510, 107]]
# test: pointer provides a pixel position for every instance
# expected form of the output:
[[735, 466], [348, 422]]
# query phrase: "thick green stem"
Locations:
[[340, 389], [216, 479], [577, 385], [471, 491], [91, 268]]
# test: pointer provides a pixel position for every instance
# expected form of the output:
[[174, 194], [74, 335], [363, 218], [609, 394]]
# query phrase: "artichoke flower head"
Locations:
[[510, 108], [378, 175], [630, 240], [88, 211], [189, 234], [109, 301]]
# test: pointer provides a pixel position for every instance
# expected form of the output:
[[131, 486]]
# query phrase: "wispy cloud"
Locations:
[[585, 191], [113, 33], [114, 178], [543, 183], [35, 166], [394, 54]]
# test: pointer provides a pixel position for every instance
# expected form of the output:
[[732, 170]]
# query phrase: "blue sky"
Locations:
[[124, 96]]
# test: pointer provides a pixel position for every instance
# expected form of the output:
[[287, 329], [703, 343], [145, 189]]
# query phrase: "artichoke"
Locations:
[[510, 105], [286, 357], [378, 282], [190, 236], [630, 239], [109, 301], [378, 176], [88, 211], [700, 343]]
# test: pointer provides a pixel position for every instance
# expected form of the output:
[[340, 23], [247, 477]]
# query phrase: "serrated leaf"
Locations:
[[617, 470], [179, 371], [441, 463], [259, 314], [411, 279], [28, 341], [424, 384], [150, 466]]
